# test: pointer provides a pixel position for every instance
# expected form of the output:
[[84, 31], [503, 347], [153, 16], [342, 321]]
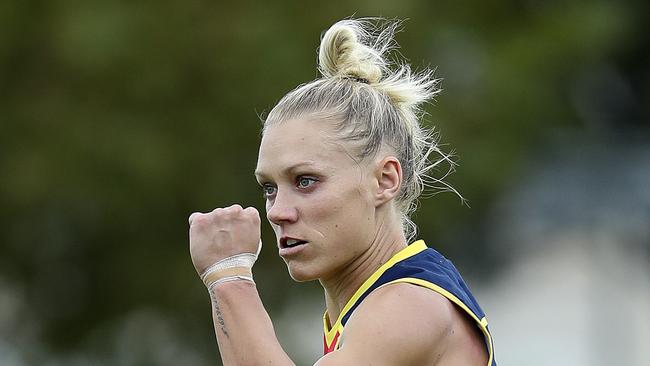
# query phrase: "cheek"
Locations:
[[340, 212]]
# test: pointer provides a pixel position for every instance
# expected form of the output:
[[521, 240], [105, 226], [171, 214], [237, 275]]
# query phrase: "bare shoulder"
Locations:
[[402, 324]]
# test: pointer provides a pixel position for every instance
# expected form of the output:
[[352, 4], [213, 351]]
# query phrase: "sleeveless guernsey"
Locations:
[[416, 264]]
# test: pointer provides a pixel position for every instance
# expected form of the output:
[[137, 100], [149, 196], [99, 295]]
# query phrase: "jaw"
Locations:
[[300, 274], [304, 270]]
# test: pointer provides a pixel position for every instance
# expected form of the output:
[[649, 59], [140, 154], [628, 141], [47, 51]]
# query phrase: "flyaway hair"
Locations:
[[376, 103]]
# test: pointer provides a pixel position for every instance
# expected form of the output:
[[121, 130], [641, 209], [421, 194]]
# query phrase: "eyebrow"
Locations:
[[288, 170]]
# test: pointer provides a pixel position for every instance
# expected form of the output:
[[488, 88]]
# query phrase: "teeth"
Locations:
[[292, 242]]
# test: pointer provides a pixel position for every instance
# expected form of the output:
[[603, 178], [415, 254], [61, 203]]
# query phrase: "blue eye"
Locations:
[[268, 190], [305, 182]]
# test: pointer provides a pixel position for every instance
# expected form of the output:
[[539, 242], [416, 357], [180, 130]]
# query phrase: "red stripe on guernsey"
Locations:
[[331, 347]]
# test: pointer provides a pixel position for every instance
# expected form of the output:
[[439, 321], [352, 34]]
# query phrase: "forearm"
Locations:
[[244, 330]]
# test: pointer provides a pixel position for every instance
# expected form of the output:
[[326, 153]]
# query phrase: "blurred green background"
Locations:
[[120, 118]]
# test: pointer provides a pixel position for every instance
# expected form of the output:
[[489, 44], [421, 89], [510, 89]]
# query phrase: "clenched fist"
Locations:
[[223, 233]]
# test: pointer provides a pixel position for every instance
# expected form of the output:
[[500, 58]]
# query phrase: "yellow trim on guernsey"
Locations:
[[482, 323], [407, 252]]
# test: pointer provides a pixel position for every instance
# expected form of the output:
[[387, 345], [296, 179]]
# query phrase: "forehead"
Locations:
[[306, 141]]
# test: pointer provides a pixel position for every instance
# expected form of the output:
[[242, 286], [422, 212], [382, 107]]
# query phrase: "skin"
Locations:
[[316, 191]]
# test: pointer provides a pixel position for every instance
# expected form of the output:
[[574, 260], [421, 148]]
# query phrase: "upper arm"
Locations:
[[398, 324]]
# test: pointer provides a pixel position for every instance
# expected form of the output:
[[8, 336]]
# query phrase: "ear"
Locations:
[[389, 179]]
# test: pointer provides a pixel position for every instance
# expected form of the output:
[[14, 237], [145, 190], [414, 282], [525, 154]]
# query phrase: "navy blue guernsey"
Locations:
[[421, 266]]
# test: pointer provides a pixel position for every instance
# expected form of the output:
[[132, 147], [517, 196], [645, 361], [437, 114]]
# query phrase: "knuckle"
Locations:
[[234, 207], [194, 217], [252, 213], [203, 219], [233, 211], [219, 213]]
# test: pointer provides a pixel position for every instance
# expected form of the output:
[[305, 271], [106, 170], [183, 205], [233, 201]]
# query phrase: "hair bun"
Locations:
[[386, 114], [357, 48], [346, 50]]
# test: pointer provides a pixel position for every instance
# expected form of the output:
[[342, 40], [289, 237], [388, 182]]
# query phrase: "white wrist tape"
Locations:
[[245, 260], [236, 267], [228, 279]]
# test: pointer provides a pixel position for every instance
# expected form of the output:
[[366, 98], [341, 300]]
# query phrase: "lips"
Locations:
[[288, 242]]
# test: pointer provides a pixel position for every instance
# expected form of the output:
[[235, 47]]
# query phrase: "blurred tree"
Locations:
[[120, 118]]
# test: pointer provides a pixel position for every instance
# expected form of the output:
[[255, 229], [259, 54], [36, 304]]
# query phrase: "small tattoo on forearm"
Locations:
[[222, 323]]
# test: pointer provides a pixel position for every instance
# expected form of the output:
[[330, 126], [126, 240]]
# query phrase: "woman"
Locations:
[[342, 161]]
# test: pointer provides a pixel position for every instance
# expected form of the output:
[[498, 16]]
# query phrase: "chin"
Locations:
[[302, 274]]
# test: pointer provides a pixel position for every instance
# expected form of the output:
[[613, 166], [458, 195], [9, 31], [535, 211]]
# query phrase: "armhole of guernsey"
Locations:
[[332, 332], [482, 323], [407, 272]]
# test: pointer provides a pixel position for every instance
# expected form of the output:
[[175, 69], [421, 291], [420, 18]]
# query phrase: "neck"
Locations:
[[340, 287]]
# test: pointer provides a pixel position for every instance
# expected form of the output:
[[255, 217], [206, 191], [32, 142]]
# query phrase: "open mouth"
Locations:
[[290, 243]]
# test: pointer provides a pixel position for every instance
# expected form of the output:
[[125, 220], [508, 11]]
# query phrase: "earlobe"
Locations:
[[389, 179]]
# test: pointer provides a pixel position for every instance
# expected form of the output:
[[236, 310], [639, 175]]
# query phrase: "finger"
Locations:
[[193, 216], [251, 211], [234, 207]]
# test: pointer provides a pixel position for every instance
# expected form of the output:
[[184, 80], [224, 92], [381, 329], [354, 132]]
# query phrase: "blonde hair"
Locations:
[[376, 103]]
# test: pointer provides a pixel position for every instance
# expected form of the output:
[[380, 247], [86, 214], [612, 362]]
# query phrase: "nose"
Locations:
[[281, 210]]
